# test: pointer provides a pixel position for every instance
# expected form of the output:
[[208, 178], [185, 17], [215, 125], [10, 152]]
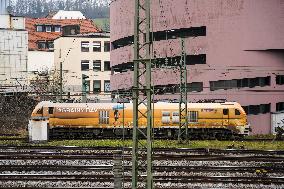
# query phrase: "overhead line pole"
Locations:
[[142, 105], [183, 112], [61, 82]]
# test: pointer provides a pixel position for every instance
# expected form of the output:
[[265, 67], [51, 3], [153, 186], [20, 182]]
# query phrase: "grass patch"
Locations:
[[212, 144]]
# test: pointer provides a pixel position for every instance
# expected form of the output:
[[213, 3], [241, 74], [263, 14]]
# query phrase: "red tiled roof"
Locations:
[[86, 26]]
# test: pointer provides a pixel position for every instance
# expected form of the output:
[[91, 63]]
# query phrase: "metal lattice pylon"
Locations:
[[183, 113], [142, 98]]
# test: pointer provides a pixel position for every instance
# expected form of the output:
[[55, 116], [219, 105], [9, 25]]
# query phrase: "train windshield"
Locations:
[[40, 111]]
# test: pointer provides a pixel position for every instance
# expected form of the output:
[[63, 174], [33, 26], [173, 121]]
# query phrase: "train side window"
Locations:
[[166, 117], [50, 110], [226, 111], [40, 111], [237, 112], [175, 117], [193, 116]]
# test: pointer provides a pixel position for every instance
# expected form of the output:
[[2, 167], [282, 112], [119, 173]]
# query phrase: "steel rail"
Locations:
[[157, 179], [206, 157], [157, 150], [190, 169]]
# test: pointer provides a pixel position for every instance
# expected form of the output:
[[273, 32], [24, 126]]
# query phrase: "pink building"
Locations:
[[235, 51]]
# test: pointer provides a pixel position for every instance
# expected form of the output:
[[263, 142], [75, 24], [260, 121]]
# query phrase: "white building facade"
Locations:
[[84, 56], [13, 52], [61, 14]]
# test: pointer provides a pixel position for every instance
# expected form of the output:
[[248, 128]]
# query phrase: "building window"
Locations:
[[107, 85], [97, 86], [264, 108], [57, 28], [257, 109], [164, 35], [106, 46], [85, 46], [107, 66], [48, 28], [195, 87], [280, 79], [280, 106], [240, 83], [39, 28], [97, 46], [41, 45], [87, 86], [85, 65], [97, 65], [50, 45]]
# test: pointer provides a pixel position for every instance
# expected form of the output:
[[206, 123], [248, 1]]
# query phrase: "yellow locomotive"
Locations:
[[206, 120]]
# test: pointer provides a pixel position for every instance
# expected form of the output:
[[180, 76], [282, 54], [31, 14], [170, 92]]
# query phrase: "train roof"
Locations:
[[128, 105]]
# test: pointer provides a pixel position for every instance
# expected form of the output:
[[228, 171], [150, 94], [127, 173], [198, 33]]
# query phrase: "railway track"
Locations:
[[25, 139], [76, 167]]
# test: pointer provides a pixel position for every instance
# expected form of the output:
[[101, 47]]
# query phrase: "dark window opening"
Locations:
[[96, 46], [280, 79], [195, 87], [175, 88], [57, 28], [97, 65], [50, 45], [39, 28], [40, 111], [97, 86], [48, 28], [257, 109], [225, 111], [107, 66], [123, 42], [240, 83], [237, 112], [85, 46], [264, 108], [41, 44], [164, 35], [50, 110], [85, 65], [160, 62], [245, 109], [254, 109], [45, 45], [106, 46], [280, 106]]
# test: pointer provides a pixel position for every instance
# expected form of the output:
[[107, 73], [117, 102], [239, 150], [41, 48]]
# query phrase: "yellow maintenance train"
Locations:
[[206, 120]]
